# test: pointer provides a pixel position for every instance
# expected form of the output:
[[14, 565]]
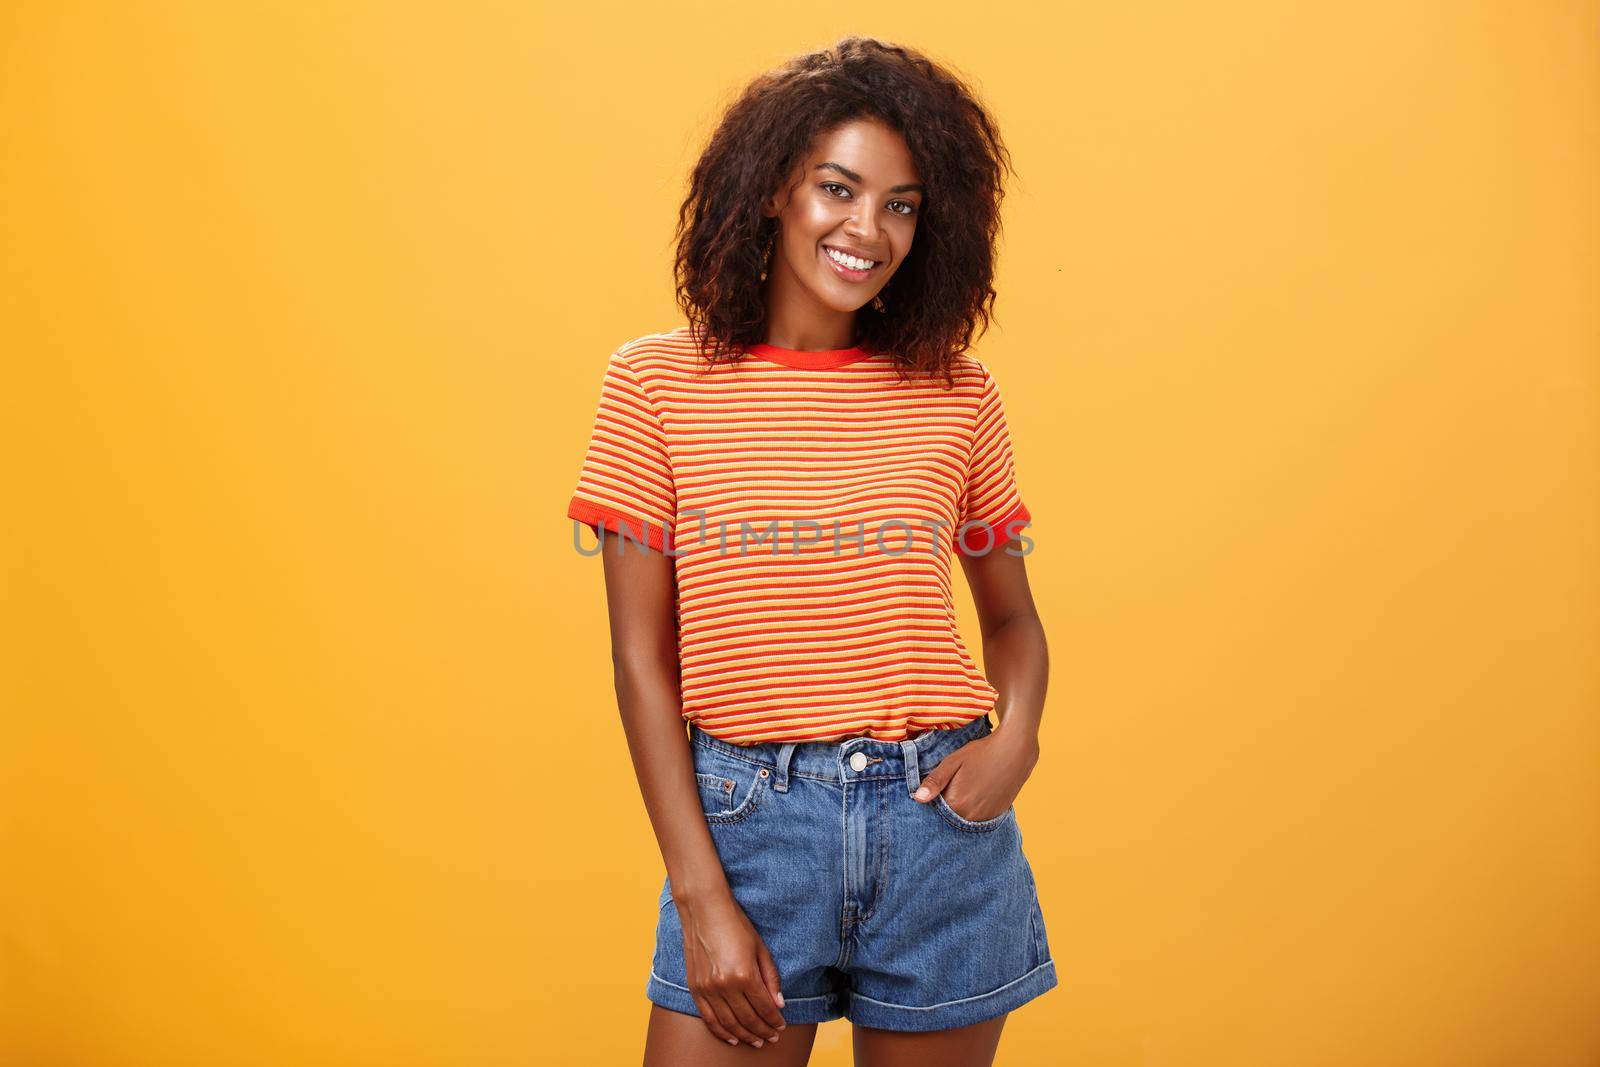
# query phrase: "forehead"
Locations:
[[875, 151]]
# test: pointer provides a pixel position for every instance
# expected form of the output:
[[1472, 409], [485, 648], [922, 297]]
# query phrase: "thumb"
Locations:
[[769, 973], [934, 781]]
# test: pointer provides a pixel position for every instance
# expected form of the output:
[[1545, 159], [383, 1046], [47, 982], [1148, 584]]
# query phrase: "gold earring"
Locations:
[[877, 303], [766, 256]]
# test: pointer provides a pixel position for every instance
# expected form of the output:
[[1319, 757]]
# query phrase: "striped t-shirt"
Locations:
[[810, 502]]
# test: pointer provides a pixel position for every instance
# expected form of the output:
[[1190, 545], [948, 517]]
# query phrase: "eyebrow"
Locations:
[[912, 187]]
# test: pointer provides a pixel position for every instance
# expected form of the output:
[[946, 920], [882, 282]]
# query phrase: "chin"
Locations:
[[833, 302]]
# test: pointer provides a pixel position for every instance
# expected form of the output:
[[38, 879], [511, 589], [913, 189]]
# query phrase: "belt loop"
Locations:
[[908, 749], [784, 752]]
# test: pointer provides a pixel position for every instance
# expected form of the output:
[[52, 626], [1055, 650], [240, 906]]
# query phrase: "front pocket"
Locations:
[[951, 816], [729, 789], [716, 793]]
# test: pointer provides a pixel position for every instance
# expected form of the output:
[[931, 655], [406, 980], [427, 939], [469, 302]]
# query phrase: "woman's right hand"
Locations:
[[732, 977]]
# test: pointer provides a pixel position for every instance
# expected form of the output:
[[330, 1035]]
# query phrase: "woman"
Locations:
[[791, 473]]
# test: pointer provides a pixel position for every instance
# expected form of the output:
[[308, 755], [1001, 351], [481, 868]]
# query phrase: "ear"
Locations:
[[774, 204]]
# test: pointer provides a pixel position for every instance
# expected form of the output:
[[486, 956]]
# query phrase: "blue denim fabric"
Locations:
[[876, 907]]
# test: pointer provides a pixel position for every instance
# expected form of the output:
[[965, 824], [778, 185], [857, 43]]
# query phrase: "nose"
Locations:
[[862, 228]]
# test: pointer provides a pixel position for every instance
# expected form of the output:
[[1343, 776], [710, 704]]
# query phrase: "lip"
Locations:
[[845, 272]]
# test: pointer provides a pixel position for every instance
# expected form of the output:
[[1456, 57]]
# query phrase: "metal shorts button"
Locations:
[[858, 761]]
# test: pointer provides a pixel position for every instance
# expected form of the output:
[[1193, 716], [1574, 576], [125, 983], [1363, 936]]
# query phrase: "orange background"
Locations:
[[310, 754]]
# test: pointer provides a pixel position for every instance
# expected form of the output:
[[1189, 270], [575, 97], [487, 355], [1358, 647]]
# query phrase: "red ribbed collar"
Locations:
[[793, 357]]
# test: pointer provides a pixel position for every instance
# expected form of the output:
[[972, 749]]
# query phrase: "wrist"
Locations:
[[699, 894], [1017, 737]]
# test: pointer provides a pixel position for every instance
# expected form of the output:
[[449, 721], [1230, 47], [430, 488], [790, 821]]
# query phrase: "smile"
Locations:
[[849, 267]]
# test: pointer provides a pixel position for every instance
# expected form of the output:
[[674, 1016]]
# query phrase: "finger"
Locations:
[[934, 781], [708, 1016], [769, 977], [743, 1005], [759, 993], [726, 1019], [736, 1015]]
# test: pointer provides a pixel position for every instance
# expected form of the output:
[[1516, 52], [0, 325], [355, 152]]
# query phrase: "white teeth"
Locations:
[[850, 261]]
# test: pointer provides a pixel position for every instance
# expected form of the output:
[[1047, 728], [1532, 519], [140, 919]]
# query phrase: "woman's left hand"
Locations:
[[988, 774]]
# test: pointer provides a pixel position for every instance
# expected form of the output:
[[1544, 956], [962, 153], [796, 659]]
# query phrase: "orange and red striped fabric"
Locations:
[[811, 502]]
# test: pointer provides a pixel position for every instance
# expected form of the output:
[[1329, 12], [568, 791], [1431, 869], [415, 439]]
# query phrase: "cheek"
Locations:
[[902, 246], [815, 219]]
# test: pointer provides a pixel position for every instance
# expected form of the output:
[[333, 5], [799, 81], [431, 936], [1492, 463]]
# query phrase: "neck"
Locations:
[[795, 320]]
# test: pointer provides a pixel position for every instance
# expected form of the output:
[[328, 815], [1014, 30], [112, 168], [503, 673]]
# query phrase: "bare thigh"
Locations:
[[676, 1039], [962, 1046]]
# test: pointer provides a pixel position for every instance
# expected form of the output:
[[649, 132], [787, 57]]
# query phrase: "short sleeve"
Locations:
[[627, 471], [990, 496]]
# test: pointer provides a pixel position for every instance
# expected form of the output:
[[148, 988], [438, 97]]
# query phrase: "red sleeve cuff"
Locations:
[[639, 529], [982, 537]]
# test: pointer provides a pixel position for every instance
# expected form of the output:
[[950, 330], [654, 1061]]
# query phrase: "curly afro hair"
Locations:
[[942, 292]]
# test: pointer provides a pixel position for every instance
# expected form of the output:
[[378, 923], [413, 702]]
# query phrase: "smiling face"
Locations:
[[846, 219]]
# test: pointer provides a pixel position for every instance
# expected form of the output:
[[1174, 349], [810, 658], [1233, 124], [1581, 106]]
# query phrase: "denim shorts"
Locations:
[[879, 908]]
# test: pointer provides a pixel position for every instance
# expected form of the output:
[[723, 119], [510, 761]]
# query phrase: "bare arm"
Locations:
[[1015, 656], [731, 974], [640, 599], [990, 771]]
